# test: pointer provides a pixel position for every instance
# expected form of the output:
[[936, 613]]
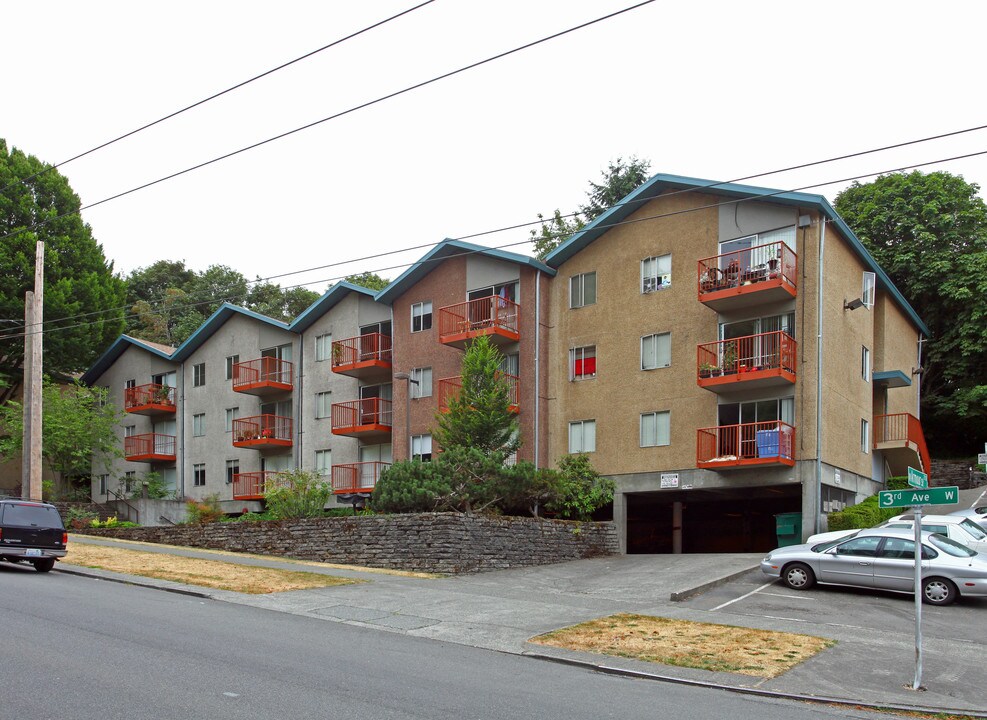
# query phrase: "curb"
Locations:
[[715, 582], [130, 580]]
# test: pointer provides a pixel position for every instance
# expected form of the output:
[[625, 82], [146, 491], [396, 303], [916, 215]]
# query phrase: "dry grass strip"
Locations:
[[722, 648], [196, 571]]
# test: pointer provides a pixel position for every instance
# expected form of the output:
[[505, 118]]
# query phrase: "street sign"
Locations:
[[982, 459], [912, 498], [917, 478]]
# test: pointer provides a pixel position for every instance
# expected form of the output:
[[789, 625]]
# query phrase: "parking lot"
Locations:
[[755, 595]]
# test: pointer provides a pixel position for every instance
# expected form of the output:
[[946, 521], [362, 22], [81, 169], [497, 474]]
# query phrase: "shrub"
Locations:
[[297, 494], [862, 515], [898, 483], [582, 490], [79, 518], [410, 486], [157, 489], [252, 517], [203, 511]]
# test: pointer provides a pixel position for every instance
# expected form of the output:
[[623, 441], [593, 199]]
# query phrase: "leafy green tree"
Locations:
[[369, 280], [285, 305], [619, 179], [929, 233], [297, 494], [77, 425], [582, 490], [78, 278]]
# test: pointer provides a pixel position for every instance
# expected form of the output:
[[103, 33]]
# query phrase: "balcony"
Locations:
[[151, 399], [367, 418], [362, 357], [746, 278], [449, 389], [900, 438], [253, 485], [752, 361], [494, 316], [262, 432], [760, 444], [263, 376], [353, 478], [150, 447]]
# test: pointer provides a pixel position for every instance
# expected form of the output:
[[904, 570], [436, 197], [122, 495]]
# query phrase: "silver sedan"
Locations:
[[884, 559]]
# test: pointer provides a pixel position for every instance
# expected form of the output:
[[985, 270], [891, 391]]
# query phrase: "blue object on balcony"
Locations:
[[767, 443]]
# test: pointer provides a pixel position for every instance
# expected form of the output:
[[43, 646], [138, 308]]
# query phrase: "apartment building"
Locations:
[[762, 364]]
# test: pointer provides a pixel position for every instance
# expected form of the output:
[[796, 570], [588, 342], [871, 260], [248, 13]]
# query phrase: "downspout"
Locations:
[[181, 453], [300, 456], [537, 356], [918, 382], [819, 366]]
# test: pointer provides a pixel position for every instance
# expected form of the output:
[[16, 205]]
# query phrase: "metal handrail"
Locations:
[[118, 498]]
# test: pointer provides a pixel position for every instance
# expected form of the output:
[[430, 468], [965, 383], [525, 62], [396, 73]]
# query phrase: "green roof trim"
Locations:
[[113, 353], [214, 322], [324, 304], [892, 378]]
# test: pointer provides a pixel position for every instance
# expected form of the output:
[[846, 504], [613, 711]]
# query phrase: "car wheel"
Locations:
[[798, 576], [44, 565], [938, 591]]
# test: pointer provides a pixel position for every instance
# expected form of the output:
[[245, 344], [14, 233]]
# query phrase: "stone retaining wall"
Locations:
[[429, 542]]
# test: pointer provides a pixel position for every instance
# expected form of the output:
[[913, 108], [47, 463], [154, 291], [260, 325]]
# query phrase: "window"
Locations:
[[129, 478], [199, 474], [867, 291], [582, 290], [232, 468], [864, 437], [421, 382], [656, 273], [582, 363], [421, 316], [131, 384], [421, 447], [323, 347], [103, 479], [231, 360], [231, 415], [656, 351], [198, 375], [582, 436], [129, 430], [198, 425], [865, 364], [860, 547], [655, 428], [323, 404], [323, 462]]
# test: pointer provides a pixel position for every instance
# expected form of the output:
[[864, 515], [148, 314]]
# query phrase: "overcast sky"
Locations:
[[716, 90]]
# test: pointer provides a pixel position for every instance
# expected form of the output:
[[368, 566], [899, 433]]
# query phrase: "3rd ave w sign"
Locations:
[[914, 498]]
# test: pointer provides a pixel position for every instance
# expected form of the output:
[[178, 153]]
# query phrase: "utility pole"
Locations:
[[33, 357]]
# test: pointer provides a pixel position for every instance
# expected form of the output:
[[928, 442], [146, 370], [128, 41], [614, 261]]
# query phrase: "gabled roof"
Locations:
[[324, 304], [451, 248], [662, 183], [215, 322], [117, 349]]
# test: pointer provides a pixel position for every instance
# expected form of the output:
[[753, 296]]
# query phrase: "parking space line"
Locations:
[[747, 595], [791, 597]]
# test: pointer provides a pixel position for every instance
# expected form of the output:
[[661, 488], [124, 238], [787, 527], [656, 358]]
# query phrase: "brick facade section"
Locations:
[[428, 542]]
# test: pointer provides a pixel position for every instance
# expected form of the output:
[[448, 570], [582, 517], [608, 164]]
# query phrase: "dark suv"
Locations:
[[31, 532]]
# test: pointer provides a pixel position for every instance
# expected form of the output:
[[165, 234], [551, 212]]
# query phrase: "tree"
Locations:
[[369, 280], [929, 233], [285, 305], [78, 279], [78, 424], [297, 494], [619, 179]]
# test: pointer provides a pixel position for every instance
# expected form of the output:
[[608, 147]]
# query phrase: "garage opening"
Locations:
[[724, 520]]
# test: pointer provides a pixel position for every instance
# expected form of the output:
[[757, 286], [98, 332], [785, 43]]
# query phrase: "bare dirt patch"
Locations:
[[707, 646], [196, 571]]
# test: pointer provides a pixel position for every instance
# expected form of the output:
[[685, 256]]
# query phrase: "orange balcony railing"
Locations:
[[358, 477], [731, 446], [763, 273], [150, 399], [253, 485], [362, 418], [759, 360], [494, 316], [449, 389], [263, 376], [902, 430], [150, 447], [262, 431], [362, 355]]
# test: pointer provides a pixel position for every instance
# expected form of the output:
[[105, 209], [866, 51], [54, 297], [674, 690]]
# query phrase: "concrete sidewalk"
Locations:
[[501, 610]]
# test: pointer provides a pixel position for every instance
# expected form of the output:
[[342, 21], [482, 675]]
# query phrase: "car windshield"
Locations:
[[951, 547], [974, 529]]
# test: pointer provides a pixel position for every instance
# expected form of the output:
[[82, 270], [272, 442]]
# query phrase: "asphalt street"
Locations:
[[79, 648]]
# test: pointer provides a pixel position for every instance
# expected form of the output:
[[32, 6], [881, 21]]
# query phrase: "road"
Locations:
[[92, 650]]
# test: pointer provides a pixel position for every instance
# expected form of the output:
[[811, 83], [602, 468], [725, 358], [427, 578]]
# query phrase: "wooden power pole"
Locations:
[[33, 358]]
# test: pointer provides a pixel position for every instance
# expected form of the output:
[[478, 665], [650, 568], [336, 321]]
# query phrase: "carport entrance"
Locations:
[[726, 520]]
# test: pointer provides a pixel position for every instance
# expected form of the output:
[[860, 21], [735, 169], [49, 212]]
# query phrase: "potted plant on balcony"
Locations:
[[161, 395], [729, 359], [706, 369], [337, 354]]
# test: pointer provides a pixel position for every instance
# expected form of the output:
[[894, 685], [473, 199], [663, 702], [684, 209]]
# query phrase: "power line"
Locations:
[[219, 94], [335, 116], [605, 226]]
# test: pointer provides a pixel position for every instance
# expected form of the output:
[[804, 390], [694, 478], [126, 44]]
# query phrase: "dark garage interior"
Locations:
[[713, 521]]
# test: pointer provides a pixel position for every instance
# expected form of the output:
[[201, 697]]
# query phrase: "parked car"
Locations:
[[31, 532], [957, 528], [976, 514], [884, 559]]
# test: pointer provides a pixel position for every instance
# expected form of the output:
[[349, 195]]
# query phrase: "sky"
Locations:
[[715, 90]]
